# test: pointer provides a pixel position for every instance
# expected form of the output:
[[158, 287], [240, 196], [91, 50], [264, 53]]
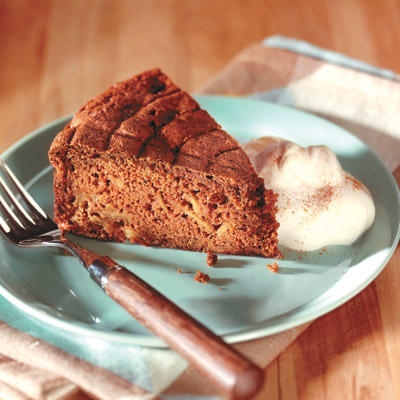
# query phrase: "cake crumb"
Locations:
[[212, 258], [273, 267], [202, 278]]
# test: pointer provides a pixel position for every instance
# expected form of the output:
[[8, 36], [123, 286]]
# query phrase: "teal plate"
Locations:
[[243, 300]]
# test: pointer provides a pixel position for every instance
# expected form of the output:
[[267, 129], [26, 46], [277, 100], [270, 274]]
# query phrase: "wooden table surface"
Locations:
[[55, 55]]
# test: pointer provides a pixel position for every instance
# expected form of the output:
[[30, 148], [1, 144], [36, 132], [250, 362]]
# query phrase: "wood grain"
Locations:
[[235, 376], [57, 54]]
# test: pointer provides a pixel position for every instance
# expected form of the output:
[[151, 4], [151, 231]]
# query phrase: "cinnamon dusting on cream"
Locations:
[[319, 203]]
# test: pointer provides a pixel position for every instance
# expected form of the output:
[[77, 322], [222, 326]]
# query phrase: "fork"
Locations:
[[25, 224]]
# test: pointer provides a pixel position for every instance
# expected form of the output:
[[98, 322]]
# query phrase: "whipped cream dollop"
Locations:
[[319, 203]]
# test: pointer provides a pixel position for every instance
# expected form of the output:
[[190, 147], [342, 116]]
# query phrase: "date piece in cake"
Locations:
[[144, 162]]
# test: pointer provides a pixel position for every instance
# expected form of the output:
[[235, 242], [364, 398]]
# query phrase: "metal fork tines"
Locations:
[[20, 216]]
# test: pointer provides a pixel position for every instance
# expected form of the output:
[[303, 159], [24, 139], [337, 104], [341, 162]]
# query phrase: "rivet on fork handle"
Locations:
[[100, 270], [229, 370]]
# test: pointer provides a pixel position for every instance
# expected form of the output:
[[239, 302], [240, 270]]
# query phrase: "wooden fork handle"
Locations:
[[237, 376]]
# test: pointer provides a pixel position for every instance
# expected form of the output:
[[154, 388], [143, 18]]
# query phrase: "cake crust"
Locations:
[[144, 162]]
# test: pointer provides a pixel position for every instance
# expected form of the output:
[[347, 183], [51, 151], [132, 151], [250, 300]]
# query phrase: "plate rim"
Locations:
[[242, 335]]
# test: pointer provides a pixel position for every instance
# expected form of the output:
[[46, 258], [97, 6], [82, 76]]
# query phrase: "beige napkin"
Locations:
[[363, 103], [33, 369]]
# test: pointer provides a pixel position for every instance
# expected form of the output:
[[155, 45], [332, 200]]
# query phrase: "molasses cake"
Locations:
[[144, 162]]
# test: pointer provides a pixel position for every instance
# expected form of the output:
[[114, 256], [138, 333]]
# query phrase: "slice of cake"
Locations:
[[144, 162]]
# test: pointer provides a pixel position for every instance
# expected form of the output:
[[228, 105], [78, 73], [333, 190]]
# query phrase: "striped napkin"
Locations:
[[360, 98]]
